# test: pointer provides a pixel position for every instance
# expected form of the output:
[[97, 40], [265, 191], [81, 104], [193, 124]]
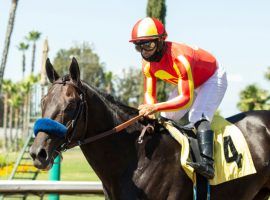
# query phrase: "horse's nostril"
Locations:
[[42, 154]]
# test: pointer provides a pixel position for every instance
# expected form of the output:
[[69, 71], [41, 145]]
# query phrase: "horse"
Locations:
[[129, 170]]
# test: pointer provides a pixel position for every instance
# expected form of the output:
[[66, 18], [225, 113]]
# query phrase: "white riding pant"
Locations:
[[206, 100]]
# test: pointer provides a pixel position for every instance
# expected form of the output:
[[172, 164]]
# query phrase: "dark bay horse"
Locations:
[[129, 170]]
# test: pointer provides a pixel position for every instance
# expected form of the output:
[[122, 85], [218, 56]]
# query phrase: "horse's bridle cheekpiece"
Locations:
[[51, 126]]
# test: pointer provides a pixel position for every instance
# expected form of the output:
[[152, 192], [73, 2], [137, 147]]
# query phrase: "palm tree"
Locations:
[[6, 91], [10, 26], [26, 86], [11, 111], [33, 36], [23, 47], [15, 102]]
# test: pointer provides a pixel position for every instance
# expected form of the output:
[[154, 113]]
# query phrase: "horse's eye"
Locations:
[[72, 102], [71, 106]]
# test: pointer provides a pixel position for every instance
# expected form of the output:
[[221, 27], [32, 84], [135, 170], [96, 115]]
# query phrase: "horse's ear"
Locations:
[[74, 72], [51, 73]]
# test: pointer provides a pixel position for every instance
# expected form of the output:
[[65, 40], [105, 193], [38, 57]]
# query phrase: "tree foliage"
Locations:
[[109, 82], [254, 98], [92, 70], [157, 9], [267, 74], [130, 87], [33, 36], [16, 108]]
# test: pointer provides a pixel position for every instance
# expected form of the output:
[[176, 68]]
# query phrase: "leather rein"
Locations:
[[71, 125]]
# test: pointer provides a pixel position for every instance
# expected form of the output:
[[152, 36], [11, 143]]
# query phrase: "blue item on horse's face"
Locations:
[[50, 126]]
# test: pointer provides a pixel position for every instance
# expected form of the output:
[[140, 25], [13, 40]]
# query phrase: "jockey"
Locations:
[[200, 84]]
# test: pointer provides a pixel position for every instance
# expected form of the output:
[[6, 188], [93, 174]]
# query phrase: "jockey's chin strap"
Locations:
[[71, 125]]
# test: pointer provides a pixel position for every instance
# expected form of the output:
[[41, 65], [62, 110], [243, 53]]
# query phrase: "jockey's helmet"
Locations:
[[148, 29]]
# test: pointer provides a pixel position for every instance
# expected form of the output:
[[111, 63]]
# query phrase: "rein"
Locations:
[[83, 107], [106, 133]]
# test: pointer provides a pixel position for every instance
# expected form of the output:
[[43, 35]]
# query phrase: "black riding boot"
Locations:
[[205, 138]]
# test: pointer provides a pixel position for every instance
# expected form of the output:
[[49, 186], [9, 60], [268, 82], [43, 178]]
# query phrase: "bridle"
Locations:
[[72, 124]]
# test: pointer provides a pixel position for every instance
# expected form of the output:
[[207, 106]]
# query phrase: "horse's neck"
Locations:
[[110, 155], [120, 161]]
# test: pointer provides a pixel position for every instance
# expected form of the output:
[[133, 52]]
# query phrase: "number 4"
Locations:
[[228, 145]]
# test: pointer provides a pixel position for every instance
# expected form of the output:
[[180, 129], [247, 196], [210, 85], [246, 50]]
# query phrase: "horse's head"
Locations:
[[62, 112]]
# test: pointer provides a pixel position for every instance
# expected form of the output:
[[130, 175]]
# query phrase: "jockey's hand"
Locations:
[[147, 110]]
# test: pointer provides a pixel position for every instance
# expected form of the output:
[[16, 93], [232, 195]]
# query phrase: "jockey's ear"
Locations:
[[51, 73], [74, 72]]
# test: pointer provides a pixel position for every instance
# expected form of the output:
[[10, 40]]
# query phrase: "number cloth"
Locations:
[[232, 156]]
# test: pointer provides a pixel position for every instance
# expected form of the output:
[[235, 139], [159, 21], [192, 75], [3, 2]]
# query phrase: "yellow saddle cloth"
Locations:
[[231, 153]]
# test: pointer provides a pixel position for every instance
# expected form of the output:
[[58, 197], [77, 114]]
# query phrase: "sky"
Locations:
[[236, 32]]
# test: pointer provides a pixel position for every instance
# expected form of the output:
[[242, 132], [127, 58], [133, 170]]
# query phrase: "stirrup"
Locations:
[[205, 169]]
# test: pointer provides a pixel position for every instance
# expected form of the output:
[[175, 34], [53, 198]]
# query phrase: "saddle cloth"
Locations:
[[231, 153]]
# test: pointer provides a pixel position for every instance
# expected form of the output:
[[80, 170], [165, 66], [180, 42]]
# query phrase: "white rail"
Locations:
[[61, 187]]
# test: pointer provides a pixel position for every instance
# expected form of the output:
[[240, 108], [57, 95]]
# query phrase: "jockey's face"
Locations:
[[146, 48]]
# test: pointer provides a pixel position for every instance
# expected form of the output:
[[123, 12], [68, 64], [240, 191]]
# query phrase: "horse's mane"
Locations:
[[111, 101]]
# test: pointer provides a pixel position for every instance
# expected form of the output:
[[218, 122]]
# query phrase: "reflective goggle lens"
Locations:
[[147, 46]]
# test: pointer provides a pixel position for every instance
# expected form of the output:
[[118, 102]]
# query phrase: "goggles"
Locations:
[[147, 46]]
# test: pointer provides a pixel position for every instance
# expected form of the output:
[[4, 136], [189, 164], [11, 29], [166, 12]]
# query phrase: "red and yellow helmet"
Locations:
[[148, 28]]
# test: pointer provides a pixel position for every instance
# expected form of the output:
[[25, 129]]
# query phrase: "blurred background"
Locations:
[[97, 34]]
